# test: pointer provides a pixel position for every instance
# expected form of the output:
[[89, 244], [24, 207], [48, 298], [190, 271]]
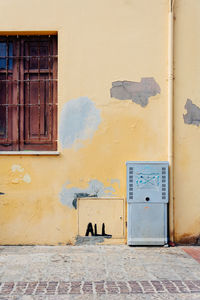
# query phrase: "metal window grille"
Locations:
[[28, 93]]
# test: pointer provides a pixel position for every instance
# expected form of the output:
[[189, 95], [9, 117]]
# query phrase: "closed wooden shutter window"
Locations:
[[28, 93]]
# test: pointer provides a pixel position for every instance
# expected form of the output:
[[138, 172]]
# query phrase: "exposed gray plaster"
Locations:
[[88, 240], [138, 92], [78, 121], [114, 180], [193, 113], [68, 196]]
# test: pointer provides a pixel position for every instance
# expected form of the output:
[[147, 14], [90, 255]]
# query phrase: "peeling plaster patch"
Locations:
[[89, 240], [112, 181], [27, 178], [15, 180], [138, 92], [18, 175], [17, 168], [79, 120], [69, 196], [193, 113]]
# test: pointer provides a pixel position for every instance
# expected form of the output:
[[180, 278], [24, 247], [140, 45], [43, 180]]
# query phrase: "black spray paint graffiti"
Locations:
[[94, 232], [80, 195]]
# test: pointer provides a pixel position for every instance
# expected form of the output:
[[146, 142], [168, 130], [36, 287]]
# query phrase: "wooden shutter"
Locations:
[[38, 93], [28, 93], [8, 97]]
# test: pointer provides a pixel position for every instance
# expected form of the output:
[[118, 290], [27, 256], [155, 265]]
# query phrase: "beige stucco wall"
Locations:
[[100, 42], [187, 142]]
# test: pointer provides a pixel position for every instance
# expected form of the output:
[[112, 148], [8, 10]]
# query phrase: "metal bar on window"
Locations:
[[7, 60], [55, 71], [29, 108], [27, 56], [26, 80], [46, 107], [39, 88], [54, 92], [20, 88], [17, 78], [25, 105], [50, 85]]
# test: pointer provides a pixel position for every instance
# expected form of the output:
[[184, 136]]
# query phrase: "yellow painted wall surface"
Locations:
[[187, 142], [100, 42]]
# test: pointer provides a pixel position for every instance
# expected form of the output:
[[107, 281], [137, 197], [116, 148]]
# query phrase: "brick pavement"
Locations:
[[100, 287], [98, 272], [194, 252]]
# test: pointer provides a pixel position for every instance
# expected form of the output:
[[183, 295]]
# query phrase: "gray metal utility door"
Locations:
[[147, 224], [147, 197]]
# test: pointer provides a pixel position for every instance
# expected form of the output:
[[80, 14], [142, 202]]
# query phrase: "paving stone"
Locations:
[[98, 272], [194, 252]]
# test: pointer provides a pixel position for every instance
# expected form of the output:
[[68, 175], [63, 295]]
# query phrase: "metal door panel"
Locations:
[[147, 224]]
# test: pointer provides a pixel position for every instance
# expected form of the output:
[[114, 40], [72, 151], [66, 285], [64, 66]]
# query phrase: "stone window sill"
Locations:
[[39, 153]]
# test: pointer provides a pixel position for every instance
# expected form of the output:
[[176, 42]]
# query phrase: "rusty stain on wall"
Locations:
[[189, 239], [138, 92], [79, 120], [95, 188], [193, 113]]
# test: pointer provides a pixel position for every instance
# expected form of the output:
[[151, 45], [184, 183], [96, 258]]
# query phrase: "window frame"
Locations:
[[16, 111]]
